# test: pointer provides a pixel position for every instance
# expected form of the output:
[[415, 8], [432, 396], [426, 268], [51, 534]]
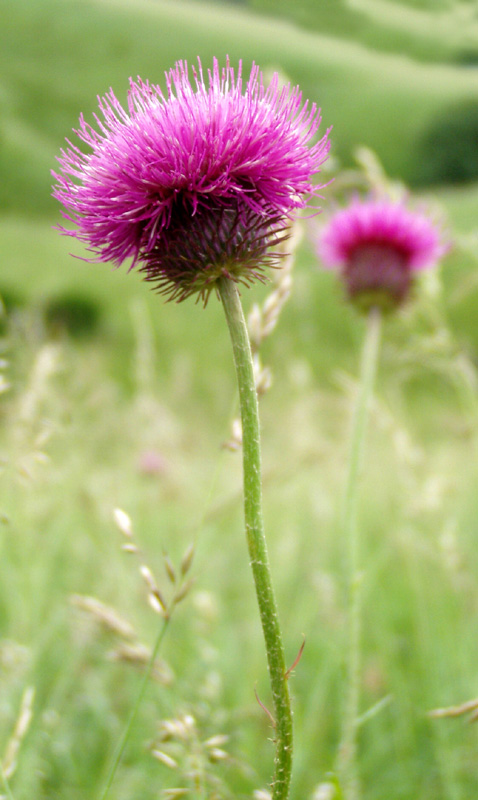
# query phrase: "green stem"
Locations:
[[118, 755], [347, 758], [255, 537]]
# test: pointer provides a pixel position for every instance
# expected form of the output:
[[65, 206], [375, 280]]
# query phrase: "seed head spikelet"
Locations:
[[194, 183]]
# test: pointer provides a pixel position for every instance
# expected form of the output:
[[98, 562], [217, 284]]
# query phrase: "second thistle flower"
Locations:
[[378, 246], [194, 184]]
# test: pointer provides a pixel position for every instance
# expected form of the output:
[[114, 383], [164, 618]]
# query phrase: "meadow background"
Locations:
[[98, 373]]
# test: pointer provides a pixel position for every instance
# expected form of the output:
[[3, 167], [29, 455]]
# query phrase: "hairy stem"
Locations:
[[255, 537], [347, 757]]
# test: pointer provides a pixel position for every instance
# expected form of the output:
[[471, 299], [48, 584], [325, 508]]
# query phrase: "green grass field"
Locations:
[[80, 413]]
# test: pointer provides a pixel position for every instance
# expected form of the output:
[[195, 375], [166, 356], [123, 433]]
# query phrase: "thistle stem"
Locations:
[[347, 756], [256, 539]]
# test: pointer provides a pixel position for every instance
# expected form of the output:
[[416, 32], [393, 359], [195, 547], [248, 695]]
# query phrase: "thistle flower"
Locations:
[[378, 246], [194, 184]]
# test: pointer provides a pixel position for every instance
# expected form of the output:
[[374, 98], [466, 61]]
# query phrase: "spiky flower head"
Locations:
[[195, 183], [378, 245]]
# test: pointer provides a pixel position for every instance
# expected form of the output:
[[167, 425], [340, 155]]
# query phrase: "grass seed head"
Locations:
[[187, 559], [123, 522], [169, 567], [165, 759], [105, 615]]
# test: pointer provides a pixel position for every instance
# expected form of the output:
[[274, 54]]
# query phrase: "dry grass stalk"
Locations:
[[139, 655], [168, 761], [131, 650], [235, 440], [123, 522], [262, 320], [325, 791], [182, 728], [106, 616], [368, 176], [32, 431], [457, 711], [184, 590], [45, 365], [169, 567], [217, 754], [217, 741], [10, 759], [156, 598], [261, 794], [187, 560], [5, 384], [179, 742]]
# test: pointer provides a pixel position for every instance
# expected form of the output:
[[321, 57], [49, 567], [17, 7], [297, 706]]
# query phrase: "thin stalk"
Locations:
[[256, 539], [118, 755], [6, 786], [347, 756]]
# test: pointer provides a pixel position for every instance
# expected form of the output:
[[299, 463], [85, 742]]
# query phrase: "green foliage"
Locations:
[[71, 313], [427, 30], [332, 16], [468, 57], [447, 151]]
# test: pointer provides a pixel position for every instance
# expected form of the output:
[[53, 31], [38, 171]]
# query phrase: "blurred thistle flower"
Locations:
[[378, 246], [194, 184]]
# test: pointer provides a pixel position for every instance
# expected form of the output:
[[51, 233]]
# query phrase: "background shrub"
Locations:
[[448, 150]]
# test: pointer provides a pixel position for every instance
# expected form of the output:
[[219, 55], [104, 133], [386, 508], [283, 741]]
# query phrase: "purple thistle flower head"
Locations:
[[193, 184], [378, 245]]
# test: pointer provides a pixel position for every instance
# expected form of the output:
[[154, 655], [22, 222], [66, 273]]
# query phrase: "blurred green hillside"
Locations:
[[57, 55], [428, 30]]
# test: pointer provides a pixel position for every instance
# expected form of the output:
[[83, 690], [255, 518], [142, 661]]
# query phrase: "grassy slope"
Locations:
[[429, 31], [69, 52]]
